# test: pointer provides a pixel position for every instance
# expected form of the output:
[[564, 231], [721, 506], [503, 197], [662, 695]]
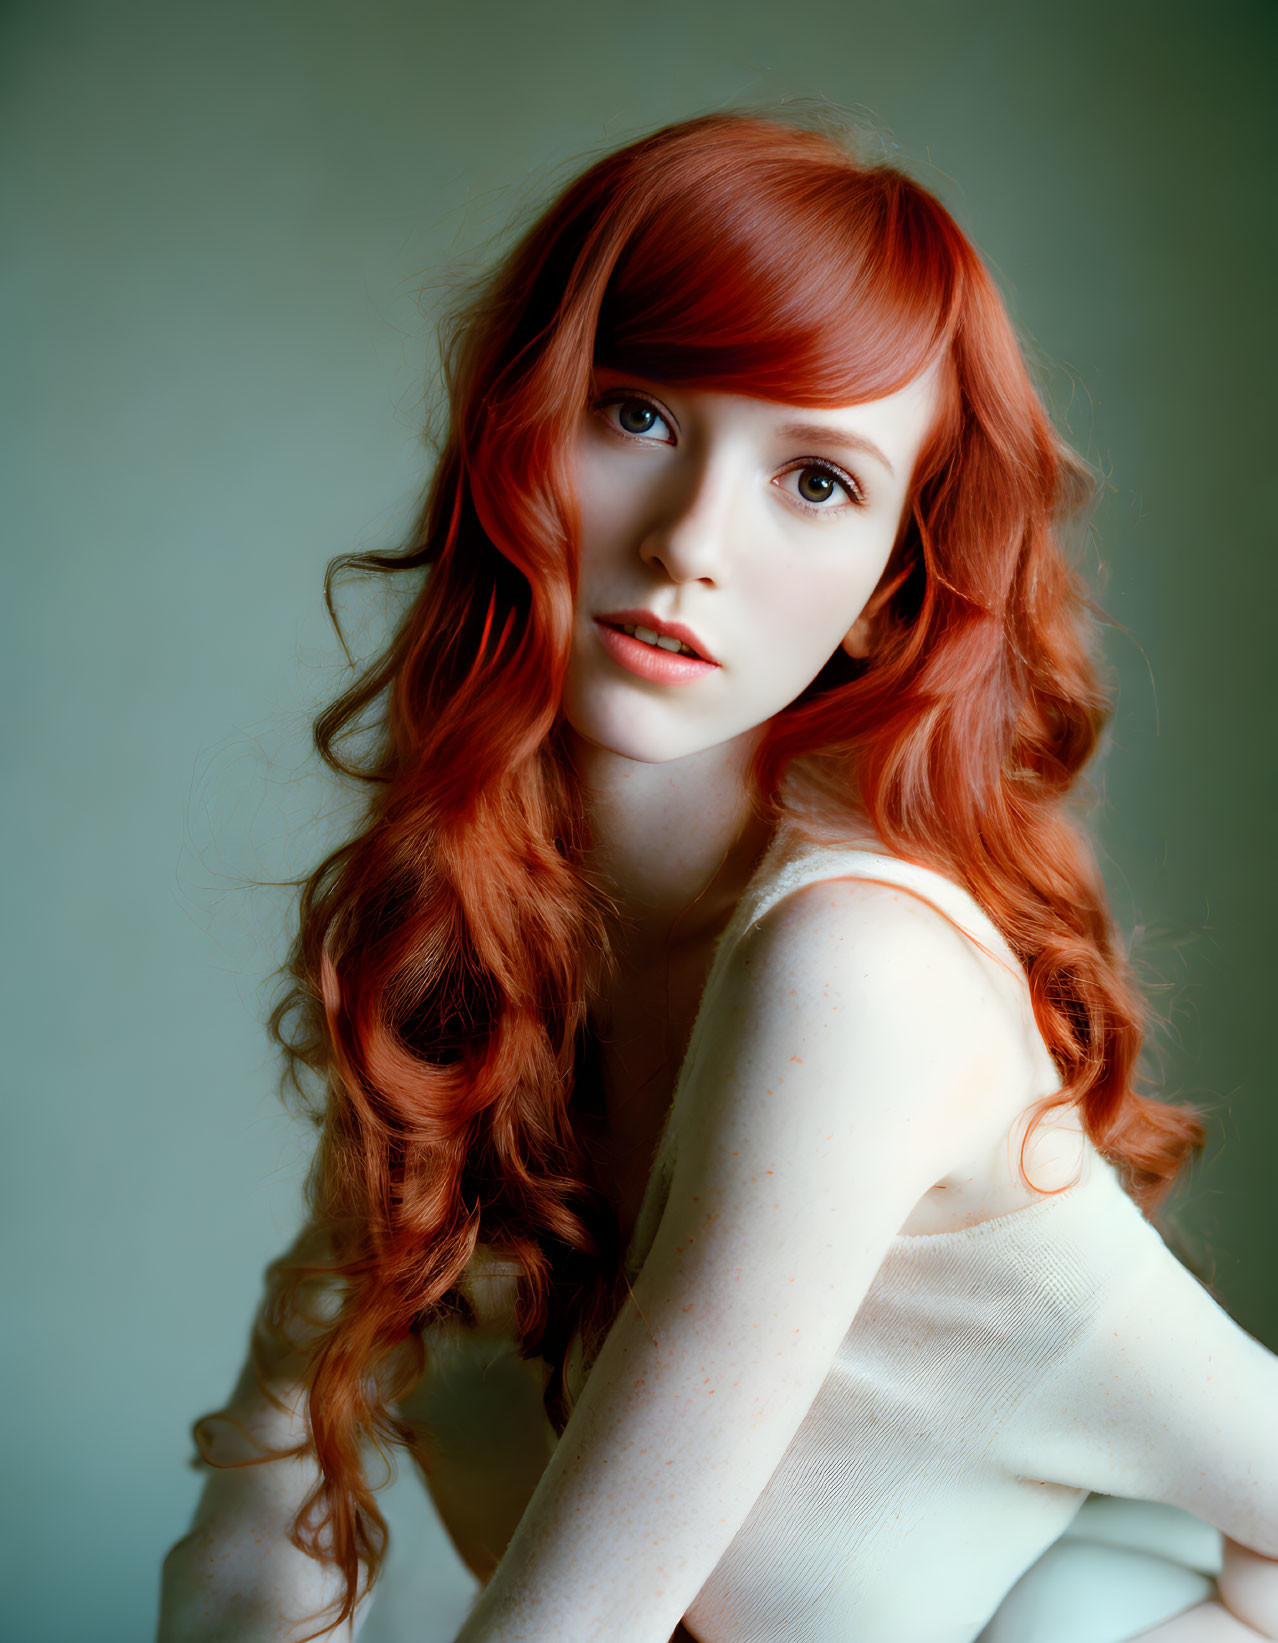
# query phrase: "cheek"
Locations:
[[809, 610], [610, 495], [605, 524]]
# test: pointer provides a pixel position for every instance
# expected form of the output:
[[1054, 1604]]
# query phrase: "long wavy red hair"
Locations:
[[436, 990]]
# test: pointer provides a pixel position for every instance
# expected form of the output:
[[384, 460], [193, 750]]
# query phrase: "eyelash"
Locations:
[[848, 483]]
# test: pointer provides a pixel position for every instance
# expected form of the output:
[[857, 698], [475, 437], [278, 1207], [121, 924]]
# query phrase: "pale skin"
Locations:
[[701, 518], [697, 516]]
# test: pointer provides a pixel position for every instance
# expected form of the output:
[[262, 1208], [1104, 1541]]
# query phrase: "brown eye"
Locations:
[[639, 418], [816, 483], [636, 417]]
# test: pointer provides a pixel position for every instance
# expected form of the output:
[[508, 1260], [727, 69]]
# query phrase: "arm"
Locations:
[[844, 1057], [236, 1577], [1170, 1400]]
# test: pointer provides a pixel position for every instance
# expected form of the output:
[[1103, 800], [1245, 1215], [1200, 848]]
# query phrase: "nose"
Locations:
[[690, 527]]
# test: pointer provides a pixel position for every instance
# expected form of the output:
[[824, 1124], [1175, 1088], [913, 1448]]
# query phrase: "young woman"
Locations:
[[732, 1186]]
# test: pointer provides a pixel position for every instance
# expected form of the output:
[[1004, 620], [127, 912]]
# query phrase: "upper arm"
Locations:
[[1171, 1400], [835, 1074]]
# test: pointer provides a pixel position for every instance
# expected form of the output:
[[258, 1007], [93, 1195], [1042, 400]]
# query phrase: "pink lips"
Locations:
[[666, 667], [645, 619]]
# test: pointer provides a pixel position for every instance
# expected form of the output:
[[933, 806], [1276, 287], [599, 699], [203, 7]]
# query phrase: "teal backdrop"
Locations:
[[230, 228]]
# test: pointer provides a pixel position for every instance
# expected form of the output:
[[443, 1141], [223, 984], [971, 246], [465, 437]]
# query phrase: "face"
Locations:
[[758, 528]]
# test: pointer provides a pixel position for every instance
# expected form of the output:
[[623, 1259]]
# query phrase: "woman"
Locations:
[[731, 1178]]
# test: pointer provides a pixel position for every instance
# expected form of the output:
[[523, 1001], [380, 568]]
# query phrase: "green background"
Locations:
[[221, 220]]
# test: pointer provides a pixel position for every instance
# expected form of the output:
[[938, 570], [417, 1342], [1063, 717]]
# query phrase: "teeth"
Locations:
[[662, 640]]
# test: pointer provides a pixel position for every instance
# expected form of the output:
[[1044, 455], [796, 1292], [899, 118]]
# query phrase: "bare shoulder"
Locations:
[[880, 955], [855, 1010], [917, 1004]]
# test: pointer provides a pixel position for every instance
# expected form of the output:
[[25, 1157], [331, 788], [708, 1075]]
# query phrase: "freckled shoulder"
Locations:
[[867, 935], [907, 999]]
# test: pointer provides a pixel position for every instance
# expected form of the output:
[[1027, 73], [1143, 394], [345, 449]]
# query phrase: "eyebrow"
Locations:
[[818, 434]]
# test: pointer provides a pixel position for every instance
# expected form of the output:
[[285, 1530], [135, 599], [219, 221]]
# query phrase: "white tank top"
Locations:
[[990, 1379], [793, 859]]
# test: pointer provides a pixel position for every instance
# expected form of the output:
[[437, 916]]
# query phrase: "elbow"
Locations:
[[198, 1607], [206, 1598], [187, 1613]]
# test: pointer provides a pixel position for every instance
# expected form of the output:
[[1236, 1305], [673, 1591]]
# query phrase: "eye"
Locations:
[[636, 416], [819, 484]]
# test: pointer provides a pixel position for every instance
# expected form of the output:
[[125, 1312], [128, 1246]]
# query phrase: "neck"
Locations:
[[674, 843]]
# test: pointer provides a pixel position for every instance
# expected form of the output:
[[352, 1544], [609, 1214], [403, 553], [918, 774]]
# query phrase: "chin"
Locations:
[[628, 738], [649, 730], [630, 743]]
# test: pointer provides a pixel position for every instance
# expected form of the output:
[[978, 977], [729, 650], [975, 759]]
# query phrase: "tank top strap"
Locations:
[[793, 859]]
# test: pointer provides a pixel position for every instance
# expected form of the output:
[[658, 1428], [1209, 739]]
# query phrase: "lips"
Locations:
[[646, 619], [652, 662]]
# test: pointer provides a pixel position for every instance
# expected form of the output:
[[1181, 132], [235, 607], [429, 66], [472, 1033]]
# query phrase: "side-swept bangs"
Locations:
[[791, 273]]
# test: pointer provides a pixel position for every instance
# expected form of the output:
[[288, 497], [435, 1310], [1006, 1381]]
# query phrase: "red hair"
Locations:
[[438, 980]]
